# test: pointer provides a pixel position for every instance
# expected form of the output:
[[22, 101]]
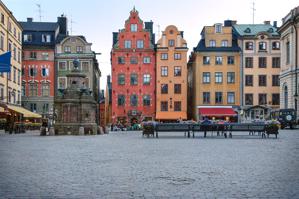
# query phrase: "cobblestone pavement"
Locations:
[[125, 165]]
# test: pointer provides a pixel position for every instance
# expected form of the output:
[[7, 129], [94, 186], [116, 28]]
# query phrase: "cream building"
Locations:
[[10, 40], [289, 86]]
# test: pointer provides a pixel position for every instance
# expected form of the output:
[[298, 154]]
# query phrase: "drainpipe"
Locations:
[[296, 64]]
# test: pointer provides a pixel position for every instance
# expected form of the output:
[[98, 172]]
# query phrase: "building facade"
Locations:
[[10, 40], [102, 110], [133, 71], [171, 75], [77, 48], [289, 74], [108, 102], [38, 66], [214, 76], [260, 68]]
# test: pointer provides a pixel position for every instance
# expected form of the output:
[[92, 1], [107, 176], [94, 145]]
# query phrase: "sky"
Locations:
[[97, 19]]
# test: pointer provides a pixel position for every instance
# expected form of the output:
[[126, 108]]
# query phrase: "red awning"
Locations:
[[217, 112]]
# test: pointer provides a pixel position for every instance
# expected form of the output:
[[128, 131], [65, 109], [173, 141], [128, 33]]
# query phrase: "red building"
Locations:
[[133, 71]]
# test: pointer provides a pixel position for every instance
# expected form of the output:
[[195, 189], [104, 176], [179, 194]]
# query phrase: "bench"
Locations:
[[271, 129], [148, 129], [210, 128], [172, 127], [249, 127]]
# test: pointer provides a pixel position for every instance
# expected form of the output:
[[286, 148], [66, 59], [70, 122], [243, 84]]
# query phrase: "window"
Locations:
[[164, 71], [85, 66], [61, 82], [275, 80], [15, 32], [262, 46], [67, 49], [33, 55], [248, 99], [230, 60], [32, 72], [164, 88], [206, 97], [27, 38], [133, 27], [45, 72], [45, 108], [286, 95], [164, 106], [262, 99], [275, 62], [140, 44], [120, 100], [127, 43], [14, 74], [249, 45], [19, 77], [62, 65], [177, 56], [218, 60], [230, 97], [45, 89], [248, 80], [262, 62], [2, 92], [86, 82], [224, 43], [121, 60], [262, 80], [1, 42], [33, 107], [19, 55], [134, 79], [206, 77], [9, 46], [14, 53], [230, 77], [171, 42], [164, 56], [275, 45], [23, 89], [177, 106], [218, 28], [121, 79], [146, 79], [218, 77], [177, 88], [212, 43], [275, 98], [45, 56], [146, 60], [2, 18], [218, 97], [133, 60], [146, 100], [79, 49], [134, 100], [46, 38], [206, 60], [288, 55], [248, 62], [177, 71], [33, 89]]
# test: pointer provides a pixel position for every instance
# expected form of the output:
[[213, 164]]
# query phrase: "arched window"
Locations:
[[285, 96]]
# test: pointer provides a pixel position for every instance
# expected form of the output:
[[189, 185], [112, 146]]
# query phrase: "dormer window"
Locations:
[[27, 38], [46, 38], [67, 49], [170, 42], [224, 43], [133, 27], [79, 49], [262, 46], [212, 43], [247, 30], [249, 45], [218, 28], [270, 30]]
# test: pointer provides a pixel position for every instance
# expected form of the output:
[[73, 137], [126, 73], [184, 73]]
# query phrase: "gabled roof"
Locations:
[[39, 26], [201, 47], [254, 29]]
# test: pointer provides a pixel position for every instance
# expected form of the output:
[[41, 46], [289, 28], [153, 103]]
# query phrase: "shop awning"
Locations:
[[217, 112], [26, 113], [171, 115]]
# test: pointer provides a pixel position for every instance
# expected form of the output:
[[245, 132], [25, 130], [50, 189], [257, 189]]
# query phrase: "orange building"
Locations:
[[171, 75]]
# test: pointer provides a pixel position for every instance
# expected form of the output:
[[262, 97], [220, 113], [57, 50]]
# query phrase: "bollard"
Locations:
[[81, 130], [51, 131]]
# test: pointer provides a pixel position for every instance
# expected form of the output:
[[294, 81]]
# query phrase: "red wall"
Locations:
[[127, 69]]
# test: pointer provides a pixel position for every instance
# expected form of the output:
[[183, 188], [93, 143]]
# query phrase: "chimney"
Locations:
[[149, 26], [267, 22], [275, 24], [29, 19], [115, 37], [228, 23], [62, 22], [108, 78]]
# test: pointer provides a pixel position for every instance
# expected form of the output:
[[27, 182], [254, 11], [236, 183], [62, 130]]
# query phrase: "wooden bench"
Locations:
[[219, 128], [172, 127], [249, 127]]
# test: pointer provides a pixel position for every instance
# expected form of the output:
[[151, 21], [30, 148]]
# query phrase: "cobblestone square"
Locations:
[[125, 165]]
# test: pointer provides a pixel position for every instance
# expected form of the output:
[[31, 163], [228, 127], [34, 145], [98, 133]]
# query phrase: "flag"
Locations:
[[5, 62]]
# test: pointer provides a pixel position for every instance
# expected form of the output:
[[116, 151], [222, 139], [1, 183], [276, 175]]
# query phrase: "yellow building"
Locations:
[[214, 74], [171, 76], [260, 45], [10, 40]]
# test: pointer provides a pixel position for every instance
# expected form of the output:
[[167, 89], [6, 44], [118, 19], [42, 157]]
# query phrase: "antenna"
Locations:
[[158, 31], [253, 11], [71, 27], [39, 12]]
